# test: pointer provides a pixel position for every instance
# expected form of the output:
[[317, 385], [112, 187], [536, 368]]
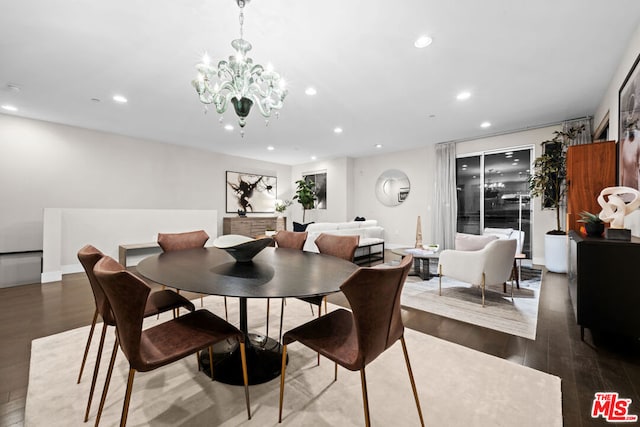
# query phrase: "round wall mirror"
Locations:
[[392, 187]]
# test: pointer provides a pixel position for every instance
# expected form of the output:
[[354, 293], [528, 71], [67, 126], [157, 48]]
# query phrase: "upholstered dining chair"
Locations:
[[491, 265], [335, 245], [158, 302], [355, 339], [189, 240], [164, 343], [289, 240]]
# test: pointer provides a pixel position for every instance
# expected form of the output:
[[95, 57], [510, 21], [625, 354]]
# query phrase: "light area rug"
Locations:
[[463, 302], [457, 386]]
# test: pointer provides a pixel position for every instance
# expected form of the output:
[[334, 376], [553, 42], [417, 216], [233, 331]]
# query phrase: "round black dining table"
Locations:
[[273, 273]]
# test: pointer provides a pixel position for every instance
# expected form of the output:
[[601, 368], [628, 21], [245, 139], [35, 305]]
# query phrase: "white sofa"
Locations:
[[369, 231]]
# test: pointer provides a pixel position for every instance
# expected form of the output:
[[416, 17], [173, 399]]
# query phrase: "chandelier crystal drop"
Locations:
[[240, 82]]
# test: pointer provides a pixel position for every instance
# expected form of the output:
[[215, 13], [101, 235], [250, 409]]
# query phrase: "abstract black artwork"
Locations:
[[251, 193], [320, 187]]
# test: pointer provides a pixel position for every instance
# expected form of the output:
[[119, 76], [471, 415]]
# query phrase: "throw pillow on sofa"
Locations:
[[472, 242], [300, 227]]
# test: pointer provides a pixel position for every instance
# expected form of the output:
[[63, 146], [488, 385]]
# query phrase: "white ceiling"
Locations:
[[526, 63]]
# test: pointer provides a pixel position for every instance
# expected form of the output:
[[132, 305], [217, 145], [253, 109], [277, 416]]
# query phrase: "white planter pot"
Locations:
[[555, 253]]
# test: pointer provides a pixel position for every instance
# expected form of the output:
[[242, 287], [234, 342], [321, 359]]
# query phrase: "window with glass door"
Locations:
[[493, 192]]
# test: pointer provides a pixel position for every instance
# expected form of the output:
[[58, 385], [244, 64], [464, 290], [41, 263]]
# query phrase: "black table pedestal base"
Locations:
[[264, 360]]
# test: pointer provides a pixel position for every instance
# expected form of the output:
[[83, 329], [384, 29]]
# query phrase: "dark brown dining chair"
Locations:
[[189, 240], [289, 240], [158, 302], [162, 344], [338, 246], [353, 340]]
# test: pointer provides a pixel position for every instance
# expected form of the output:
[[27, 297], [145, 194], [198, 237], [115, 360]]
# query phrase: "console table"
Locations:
[[251, 226], [603, 284]]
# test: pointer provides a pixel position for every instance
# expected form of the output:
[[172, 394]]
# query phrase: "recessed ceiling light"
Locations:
[[423, 41], [485, 125], [119, 98], [337, 130], [311, 91], [9, 108], [228, 127], [514, 164], [378, 145], [313, 157], [463, 96], [271, 148], [516, 160]]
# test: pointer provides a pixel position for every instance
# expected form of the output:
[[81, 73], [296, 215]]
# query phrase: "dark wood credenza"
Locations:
[[604, 283]]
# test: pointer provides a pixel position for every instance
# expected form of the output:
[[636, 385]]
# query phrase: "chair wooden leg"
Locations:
[[365, 399], [326, 309], [282, 304], [266, 334], [86, 349], [319, 315], [282, 371], [201, 301], [413, 383], [226, 311], [335, 372], [127, 398], [96, 368], [211, 361], [107, 380], [245, 378], [440, 280]]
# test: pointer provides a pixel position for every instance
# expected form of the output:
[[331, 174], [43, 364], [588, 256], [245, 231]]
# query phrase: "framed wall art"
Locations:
[[319, 180], [251, 193], [628, 130]]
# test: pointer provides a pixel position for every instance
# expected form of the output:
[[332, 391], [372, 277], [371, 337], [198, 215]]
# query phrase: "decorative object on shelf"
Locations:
[[305, 195], [418, 234], [592, 223], [282, 206], [629, 129], [432, 247], [548, 181], [240, 82], [392, 187], [242, 213], [250, 193], [614, 209], [242, 248]]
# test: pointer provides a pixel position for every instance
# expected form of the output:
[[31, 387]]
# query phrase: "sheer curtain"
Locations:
[[445, 200], [585, 136]]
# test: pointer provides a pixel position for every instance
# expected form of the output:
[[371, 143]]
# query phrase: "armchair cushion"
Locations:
[[472, 242]]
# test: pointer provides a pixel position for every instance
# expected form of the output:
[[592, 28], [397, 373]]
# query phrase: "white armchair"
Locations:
[[491, 265]]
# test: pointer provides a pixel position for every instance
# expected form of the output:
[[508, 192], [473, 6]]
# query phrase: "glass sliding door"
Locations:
[[493, 192]]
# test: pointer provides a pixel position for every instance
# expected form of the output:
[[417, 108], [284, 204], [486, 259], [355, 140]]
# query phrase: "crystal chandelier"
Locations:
[[240, 82]]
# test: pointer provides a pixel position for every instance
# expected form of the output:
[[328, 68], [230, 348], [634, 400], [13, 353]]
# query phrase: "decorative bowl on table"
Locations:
[[431, 247], [242, 248]]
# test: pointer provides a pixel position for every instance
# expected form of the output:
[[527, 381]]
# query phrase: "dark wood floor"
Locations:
[[32, 311]]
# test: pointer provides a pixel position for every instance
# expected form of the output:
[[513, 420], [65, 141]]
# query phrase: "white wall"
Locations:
[[46, 165], [399, 221], [609, 101]]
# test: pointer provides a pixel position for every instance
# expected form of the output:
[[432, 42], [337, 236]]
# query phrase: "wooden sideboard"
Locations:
[[590, 168], [250, 226], [603, 284]]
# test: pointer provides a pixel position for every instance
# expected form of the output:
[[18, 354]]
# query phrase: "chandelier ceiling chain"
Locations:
[[240, 82]]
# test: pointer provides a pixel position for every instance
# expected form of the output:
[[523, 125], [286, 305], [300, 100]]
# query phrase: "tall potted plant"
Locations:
[[305, 195], [548, 182]]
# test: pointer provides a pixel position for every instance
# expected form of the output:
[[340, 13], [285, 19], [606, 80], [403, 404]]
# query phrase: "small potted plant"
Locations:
[[282, 206], [593, 225]]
